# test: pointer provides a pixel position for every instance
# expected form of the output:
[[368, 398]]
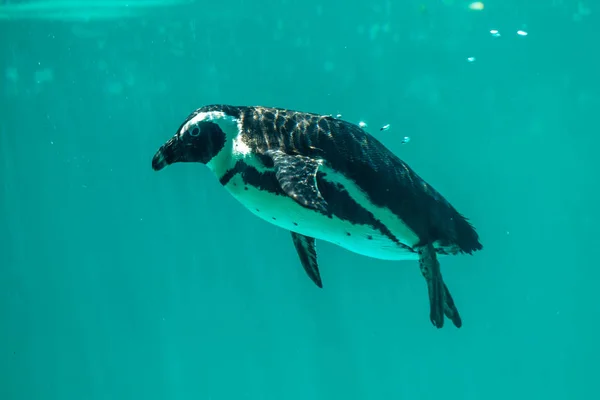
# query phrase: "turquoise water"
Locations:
[[117, 282]]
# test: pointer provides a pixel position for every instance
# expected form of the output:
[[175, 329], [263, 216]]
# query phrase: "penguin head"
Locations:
[[201, 139]]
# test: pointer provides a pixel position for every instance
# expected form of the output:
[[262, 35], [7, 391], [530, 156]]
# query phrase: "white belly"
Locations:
[[286, 213]]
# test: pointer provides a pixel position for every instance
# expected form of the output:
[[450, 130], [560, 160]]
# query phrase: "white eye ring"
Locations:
[[191, 131]]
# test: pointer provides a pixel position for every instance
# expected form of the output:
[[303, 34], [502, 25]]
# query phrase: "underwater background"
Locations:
[[117, 282]]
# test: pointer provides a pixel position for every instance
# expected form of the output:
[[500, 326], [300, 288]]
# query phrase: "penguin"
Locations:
[[322, 178]]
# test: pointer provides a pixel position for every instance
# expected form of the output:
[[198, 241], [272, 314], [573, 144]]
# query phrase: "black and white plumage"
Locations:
[[323, 178]]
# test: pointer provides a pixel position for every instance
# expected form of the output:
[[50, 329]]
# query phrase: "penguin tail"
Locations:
[[465, 235]]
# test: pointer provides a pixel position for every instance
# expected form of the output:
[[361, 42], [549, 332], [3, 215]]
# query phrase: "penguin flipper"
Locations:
[[297, 176], [305, 246], [440, 300]]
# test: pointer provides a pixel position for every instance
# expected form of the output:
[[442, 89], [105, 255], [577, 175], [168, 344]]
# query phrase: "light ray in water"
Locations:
[[72, 10]]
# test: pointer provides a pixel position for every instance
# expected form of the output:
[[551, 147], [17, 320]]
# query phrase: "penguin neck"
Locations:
[[223, 161]]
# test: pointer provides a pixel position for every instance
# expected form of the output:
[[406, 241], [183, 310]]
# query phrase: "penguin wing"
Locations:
[[297, 176]]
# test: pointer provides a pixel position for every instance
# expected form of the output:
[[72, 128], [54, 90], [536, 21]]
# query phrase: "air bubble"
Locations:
[[476, 6]]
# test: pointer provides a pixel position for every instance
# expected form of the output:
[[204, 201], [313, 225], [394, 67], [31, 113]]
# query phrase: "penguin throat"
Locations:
[[223, 160]]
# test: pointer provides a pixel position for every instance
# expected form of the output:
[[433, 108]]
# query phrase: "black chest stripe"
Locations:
[[266, 181], [227, 176]]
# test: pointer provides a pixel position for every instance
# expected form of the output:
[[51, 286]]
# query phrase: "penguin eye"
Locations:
[[195, 132]]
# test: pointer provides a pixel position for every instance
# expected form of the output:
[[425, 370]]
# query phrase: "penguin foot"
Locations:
[[440, 300], [450, 309]]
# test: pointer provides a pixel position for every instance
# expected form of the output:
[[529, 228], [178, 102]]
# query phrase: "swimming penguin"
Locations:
[[323, 178]]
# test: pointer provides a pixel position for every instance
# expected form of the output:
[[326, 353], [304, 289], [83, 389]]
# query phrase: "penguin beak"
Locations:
[[158, 161], [166, 155]]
